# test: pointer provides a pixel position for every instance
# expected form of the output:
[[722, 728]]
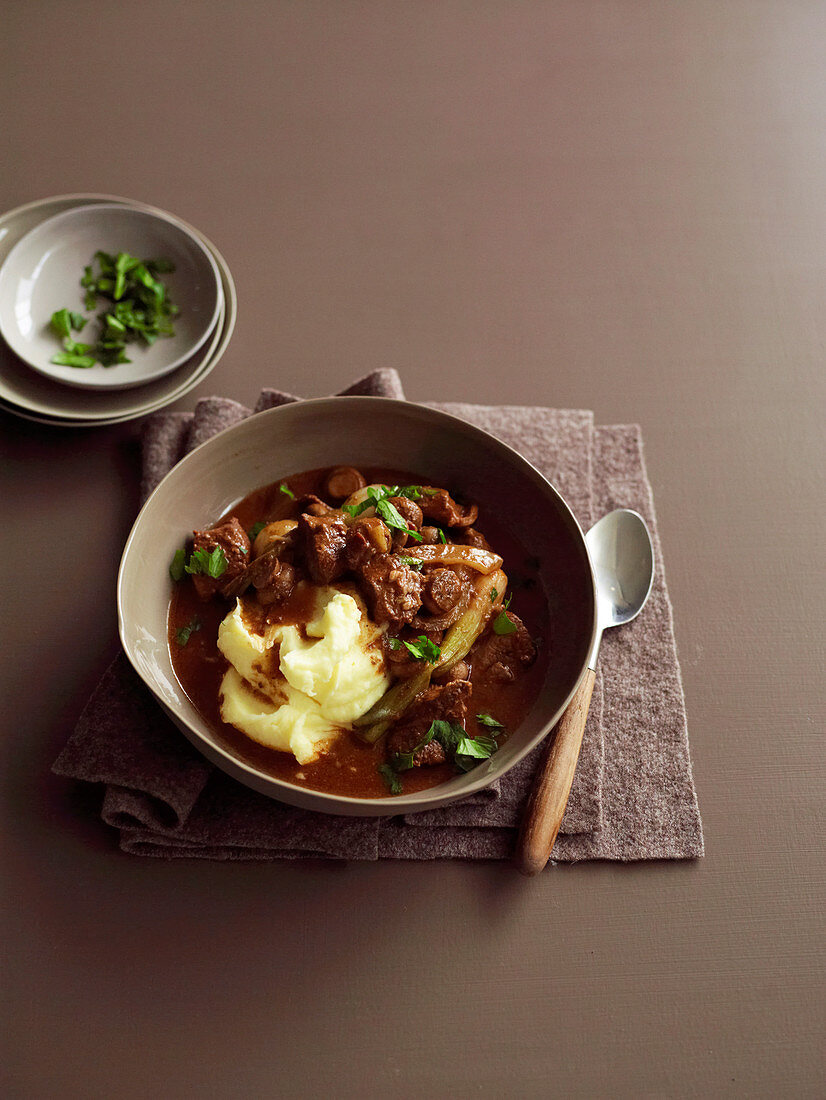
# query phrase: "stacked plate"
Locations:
[[44, 247]]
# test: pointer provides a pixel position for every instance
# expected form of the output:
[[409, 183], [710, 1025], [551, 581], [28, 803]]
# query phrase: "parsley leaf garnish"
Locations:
[[465, 752], [471, 750], [423, 649], [403, 761], [442, 535], [139, 309], [177, 565], [390, 778], [212, 563], [378, 497], [488, 720], [504, 624], [286, 490], [414, 563], [256, 530], [183, 635]]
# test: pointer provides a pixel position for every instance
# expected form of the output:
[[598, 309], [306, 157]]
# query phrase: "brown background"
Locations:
[[617, 206]]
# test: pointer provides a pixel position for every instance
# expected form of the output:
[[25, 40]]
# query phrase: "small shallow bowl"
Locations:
[[359, 431], [42, 274]]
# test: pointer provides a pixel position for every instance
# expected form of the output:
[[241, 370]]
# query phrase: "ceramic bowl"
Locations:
[[27, 394], [42, 273], [358, 431]]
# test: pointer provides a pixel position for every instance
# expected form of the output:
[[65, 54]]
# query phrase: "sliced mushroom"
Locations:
[[278, 530], [343, 481]]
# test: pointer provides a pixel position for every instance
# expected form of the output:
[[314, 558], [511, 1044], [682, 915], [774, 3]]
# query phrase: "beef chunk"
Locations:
[[234, 541], [471, 537], [366, 536], [438, 505], [501, 657], [393, 591], [411, 513], [444, 588], [445, 701], [273, 580], [323, 540]]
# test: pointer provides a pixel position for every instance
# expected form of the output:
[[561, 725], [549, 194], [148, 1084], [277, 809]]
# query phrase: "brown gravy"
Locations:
[[350, 766]]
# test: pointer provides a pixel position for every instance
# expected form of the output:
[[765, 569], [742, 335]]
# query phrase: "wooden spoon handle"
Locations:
[[552, 783]]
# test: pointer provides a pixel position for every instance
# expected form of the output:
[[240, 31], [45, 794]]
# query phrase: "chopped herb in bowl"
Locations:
[[138, 309]]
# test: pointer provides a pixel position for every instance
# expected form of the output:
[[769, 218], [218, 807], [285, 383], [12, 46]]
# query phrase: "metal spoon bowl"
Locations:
[[622, 556]]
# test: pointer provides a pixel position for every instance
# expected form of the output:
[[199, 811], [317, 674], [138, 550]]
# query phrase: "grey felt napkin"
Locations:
[[633, 796]]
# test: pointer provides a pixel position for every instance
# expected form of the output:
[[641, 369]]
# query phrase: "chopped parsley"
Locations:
[[177, 565], [256, 530], [413, 563], [183, 635], [394, 784], [378, 497], [423, 649], [504, 624], [442, 535], [471, 750], [465, 752], [209, 563], [65, 321], [286, 490], [488, 720], [140, 310]]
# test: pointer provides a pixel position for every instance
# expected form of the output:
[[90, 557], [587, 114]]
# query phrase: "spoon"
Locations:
[[623, 559]]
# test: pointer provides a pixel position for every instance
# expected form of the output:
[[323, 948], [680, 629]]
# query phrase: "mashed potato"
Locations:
[[295, 690]]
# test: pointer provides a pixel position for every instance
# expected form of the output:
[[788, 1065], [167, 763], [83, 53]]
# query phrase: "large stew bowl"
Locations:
[[358, 431]]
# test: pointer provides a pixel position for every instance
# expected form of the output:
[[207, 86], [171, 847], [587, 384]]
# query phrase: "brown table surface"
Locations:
[[616, 206]]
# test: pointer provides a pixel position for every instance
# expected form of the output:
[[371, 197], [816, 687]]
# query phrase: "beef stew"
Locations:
[[462, 649]]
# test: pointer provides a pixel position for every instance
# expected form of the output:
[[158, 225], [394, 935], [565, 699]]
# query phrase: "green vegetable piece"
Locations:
[[480, 748], [66, 359], [503, 624], [442, 535], [414, 563], [160, 266], [209, 564], [393, 518], [487, 720], [465, 752], [403, 761], [183, 635], [74, 348], [390, 778], [113, 329], [61, 323], [423, 649], [471, 751], [286, 490], [177, 565], [256, 530]]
